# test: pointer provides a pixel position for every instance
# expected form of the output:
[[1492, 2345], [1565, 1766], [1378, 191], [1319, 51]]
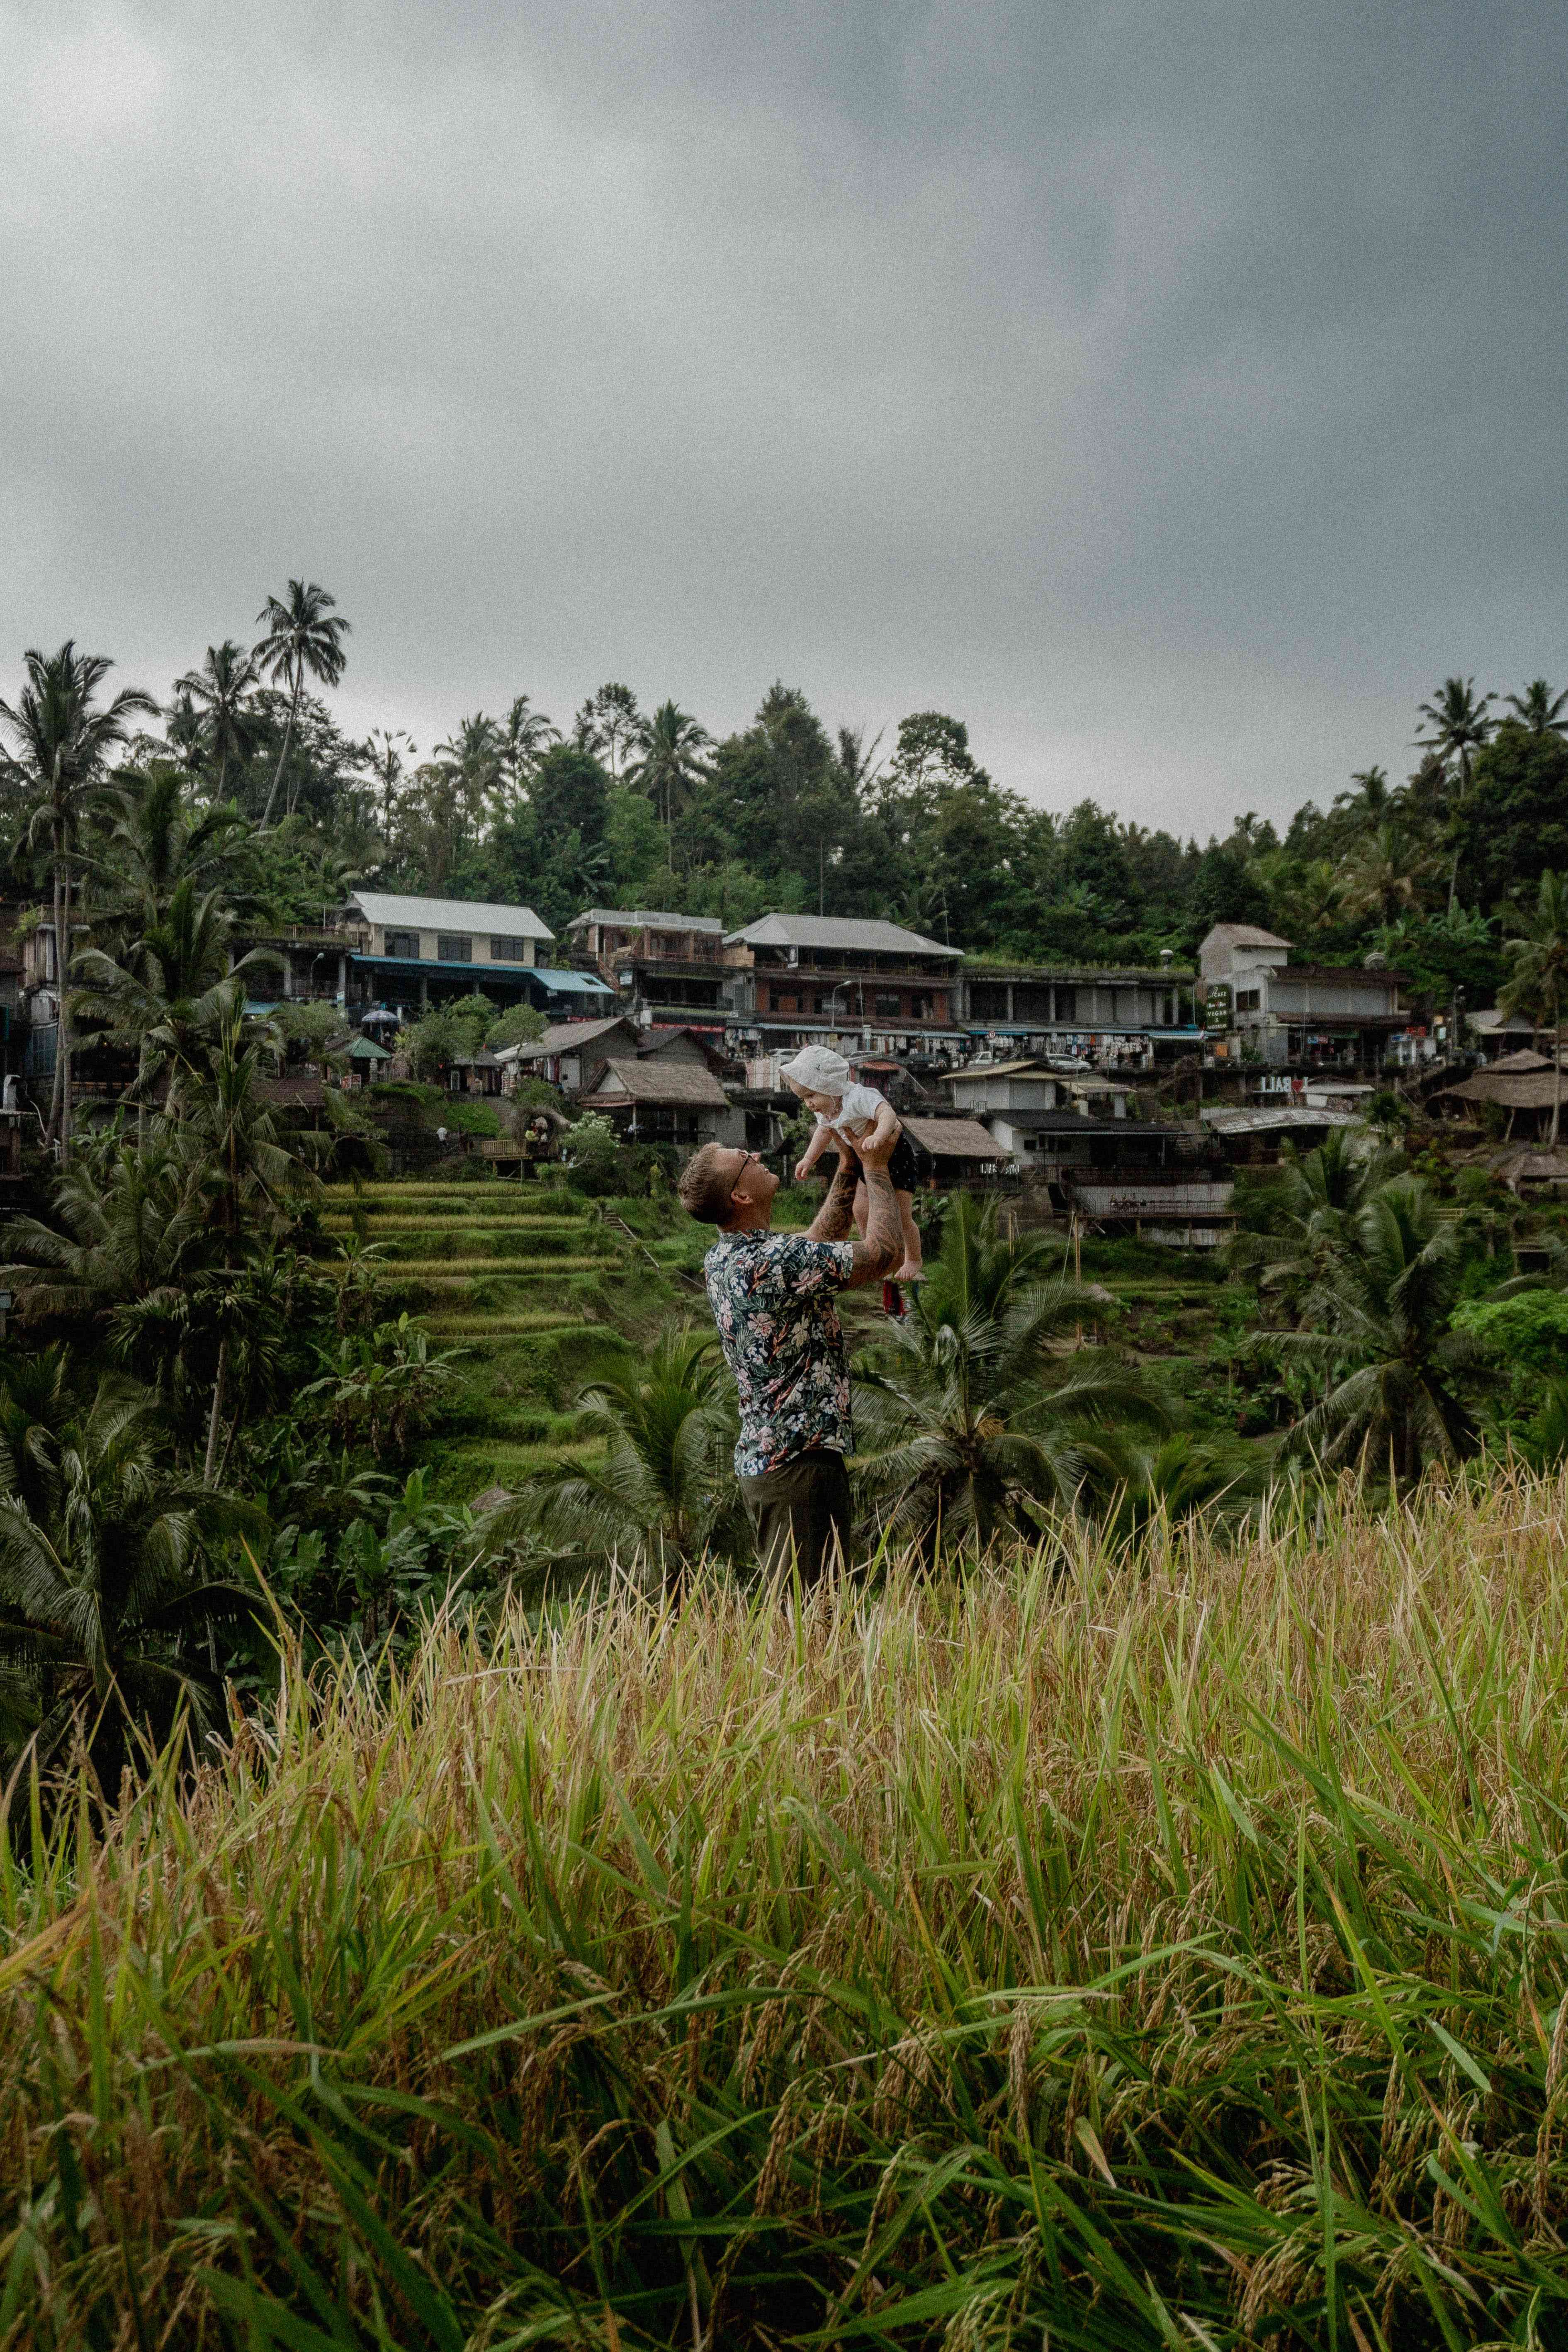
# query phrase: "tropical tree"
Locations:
[[105, 1586], [387, 749], [1539, 975], [662, 1487], [609, 724], [173, 991], [304, 637], [1539, 711], [222, 692], [1382, 876], [670, 762], [61, 738], [980, 1413], [1323, 1192], [1456, 726], [525, 735], [155, 841], [1386, 1309]]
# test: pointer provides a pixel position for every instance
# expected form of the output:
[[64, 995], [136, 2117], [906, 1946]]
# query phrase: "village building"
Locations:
[[386, 957], [667, 967], [1305, 1016], [663, 1098], [799, 979], [1494, 1032], [1519, 1093], [1132, 1014]]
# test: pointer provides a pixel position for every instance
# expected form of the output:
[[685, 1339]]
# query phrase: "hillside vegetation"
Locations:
[[1163, 1946]]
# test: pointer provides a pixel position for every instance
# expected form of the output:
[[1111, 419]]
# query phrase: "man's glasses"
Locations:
[[746, 1160]]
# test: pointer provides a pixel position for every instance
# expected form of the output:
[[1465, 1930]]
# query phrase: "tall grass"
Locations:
[[1155, 1950]]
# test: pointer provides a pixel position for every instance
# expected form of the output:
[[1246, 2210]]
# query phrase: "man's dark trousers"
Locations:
[[799, 1511]]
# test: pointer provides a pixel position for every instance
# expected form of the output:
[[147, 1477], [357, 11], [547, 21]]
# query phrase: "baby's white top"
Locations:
[[857, 1109]]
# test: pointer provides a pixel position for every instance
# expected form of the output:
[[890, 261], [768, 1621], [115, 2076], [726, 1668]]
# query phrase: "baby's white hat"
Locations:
[[819, 1069]]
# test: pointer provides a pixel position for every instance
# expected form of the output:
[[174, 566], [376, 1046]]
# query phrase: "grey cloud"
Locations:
[[1174, 394]]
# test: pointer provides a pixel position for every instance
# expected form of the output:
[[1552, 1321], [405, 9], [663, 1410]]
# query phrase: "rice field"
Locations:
[[1093, 1949]]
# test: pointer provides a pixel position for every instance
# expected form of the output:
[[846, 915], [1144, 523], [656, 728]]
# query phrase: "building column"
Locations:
[[343, 981], [423, 993]]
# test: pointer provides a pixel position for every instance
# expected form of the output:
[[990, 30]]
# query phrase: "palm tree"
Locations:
[[303, 634], [1541, 710], [671, 744], [1324, 1193], [470, 761], [1370, 801], [1539, 958], [1382, 877], [173, 991], [62, 739], [221, 691], [1458, 725], [1388, 1301], [102, 1589], [386, 748], [156, 841], [663, 1487], [978, 1412], [525, 735]]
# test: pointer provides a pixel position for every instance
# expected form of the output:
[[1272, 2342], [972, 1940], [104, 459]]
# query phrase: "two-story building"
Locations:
[[1298, 1015], [408, 953], [668, 966], [1021, 1102], [1133, 1014], [797, 980]]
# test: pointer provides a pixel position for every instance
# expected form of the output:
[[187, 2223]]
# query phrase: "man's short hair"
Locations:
[[706, 1186]]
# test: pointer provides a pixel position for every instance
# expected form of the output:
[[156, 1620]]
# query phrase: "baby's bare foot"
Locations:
[[908, 1273]]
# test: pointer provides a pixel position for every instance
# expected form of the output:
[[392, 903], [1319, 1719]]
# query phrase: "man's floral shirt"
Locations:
[[773, 1300]]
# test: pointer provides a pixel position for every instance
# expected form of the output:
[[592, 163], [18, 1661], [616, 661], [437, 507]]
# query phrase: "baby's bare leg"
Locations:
[[913, 1266]]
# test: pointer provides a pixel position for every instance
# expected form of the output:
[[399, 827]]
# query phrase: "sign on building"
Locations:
[[1216, 1010]]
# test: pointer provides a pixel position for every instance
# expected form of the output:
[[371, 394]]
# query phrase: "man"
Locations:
[[773, 1296]]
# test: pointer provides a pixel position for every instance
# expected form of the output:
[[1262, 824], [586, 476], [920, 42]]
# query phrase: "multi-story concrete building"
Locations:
[[1082, 1013], [668, 966], [792, 980], [1301, 1016], [403, 954]]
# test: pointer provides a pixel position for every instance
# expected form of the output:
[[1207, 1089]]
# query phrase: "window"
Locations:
[[1067, 1005], [509, 950], [1249, 999], [889, 1003], [403, 943], [454, 946], [920, 1008], [784, 1003]]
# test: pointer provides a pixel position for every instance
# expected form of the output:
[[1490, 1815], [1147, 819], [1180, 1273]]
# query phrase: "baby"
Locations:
[[853, 1114]]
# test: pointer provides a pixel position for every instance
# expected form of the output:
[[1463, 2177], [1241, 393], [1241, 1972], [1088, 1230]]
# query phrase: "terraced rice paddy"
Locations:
[[505, 1274]]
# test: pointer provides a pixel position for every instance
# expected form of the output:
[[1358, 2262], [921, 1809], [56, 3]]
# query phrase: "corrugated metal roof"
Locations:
[[654, 920], [448, 914], [567, 1037], [1226, 1118], [978, 1070], [1241, 935], [867, 933]]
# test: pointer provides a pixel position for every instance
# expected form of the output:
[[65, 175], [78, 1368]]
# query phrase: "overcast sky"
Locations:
[[1175, 392]]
